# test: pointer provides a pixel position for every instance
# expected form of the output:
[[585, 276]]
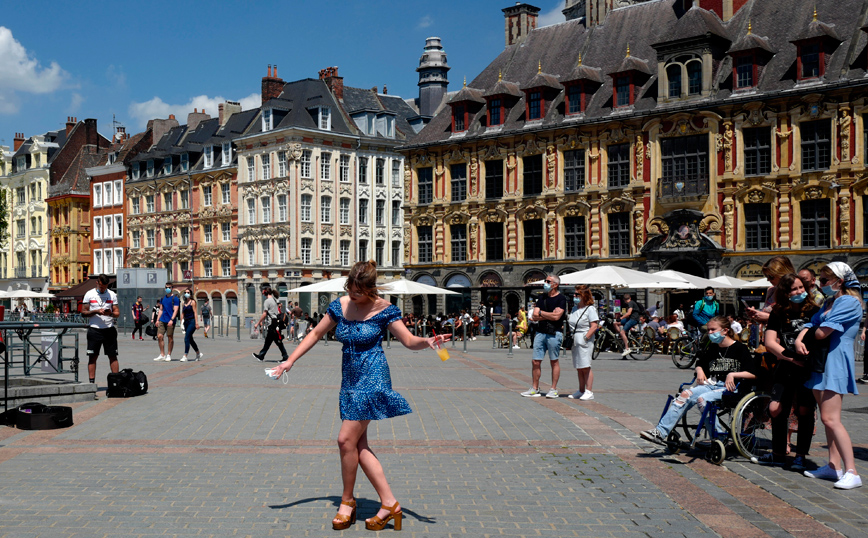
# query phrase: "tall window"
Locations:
[[325, 118], [493, 241], [266, 119], [494, 112], [459, 242], [694, 77], [167, 201], [325, 209], [137, 239], [251, 211], [281, 251], [185, 236], [425, 243], [281, 164], [363, 169], [209, 157], [119, 226], [207, 268], [306, 250], [363, 249], [574, 98], [184, 198], [619, 234], [251, 171], [425, 185], [816, 144], [266, 166], [744, 71], [380, 212], [619, 165], [396, 253], [494, 179], [344, 211], [380, 253], [325, 251], [305, 209], [136, 207], [107, 194], [206, 196], [574, 236], [533, 239], [574, 170], [150, 237], [265, 201], [685, 165], [167, 236], [816, 229], [251, 253], [757, 151], [305, 163], [185, 162], [344, 168], [458, 117], [459, 182], [758, 226], [622, 91], [533, 175], [281, 208], [810, 60], [344, 253], [207, 234], [363, 211], [226, 267], [673, 73], [380, 172], [97, 228], [325, 165], [534, 105], [225, 193], [226, 231], [396, 212], [396, 173]]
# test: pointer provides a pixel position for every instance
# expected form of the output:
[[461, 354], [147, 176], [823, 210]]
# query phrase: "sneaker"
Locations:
[[199, 356], [576, 395], [863, 379], [516, 347], [96, 397], [531, 393], [260, 358], [168, 358], [184, 358], [654, 436], [140, 338], [588, 395], [849, 481], [825, 473], [798, 464], [552, 394], [768, 459], [626, 352], [160, 358]]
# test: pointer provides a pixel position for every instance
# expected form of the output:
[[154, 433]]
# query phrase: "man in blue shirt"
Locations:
[[166, 320], [706, 308]]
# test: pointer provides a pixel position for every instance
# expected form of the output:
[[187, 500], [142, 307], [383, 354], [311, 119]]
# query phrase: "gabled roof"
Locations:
[[697, 22], [543, 80], [751, 41], [503, 87], [583, 72], [632, 63], [817, 29], [468, 94]]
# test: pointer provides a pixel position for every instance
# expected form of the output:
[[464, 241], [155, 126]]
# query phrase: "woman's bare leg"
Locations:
[[586, 378], [374, 471], [840, 446], [348, 441]]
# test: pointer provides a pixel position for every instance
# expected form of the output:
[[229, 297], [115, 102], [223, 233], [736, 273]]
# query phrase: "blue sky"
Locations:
[[144, 60]]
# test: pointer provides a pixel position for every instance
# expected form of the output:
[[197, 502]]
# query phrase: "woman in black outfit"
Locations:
[[792, 309]]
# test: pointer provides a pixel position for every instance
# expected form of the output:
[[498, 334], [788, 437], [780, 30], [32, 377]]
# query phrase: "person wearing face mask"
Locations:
[[773, 269], [548, 313], [720, 367], [584, 321], [706, 308], [138, 317], [167, 319], [837, 321], [191, 323], [793, 308]]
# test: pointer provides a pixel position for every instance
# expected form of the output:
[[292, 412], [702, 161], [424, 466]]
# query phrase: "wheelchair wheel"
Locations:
[[683, 352], [673, 442], [752, 425], [716, 452]]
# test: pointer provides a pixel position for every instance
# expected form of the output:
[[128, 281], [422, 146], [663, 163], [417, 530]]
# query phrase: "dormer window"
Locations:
[[581, 83], [227, 153], [134, 170], [535, 106], [575, 101], [21, 163], [694, 77], [744, 71], [459, 118], [167, 166], [495, 111], [209, 157], [809, 60], [150, 172], [266, 120], [465, 105], [673, 73], [815, 44], [185, 162], [623, 91], [322, 116], [499, 100]]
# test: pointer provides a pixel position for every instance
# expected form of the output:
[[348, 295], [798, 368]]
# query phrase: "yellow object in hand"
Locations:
[[443, 353]]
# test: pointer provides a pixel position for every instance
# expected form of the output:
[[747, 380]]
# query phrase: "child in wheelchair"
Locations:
[[719, 368]]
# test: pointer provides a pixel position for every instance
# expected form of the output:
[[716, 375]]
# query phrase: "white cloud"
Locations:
[[157, 108], [75, 104], [425, 22], [554, 16], [19, 72]]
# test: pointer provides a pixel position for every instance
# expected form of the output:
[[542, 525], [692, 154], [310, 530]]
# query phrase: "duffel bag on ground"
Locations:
[[150, 330], [126, 383], [36, 416]]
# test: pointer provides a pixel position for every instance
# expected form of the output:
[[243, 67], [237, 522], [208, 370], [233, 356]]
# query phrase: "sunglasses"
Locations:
[[824, 280]]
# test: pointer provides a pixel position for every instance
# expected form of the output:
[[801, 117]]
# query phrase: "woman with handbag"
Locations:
[[838, 323], [584, 322], [792, 310]]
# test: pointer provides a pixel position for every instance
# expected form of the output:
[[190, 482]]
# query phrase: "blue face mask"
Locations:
[[800, 298], [577, 301], [828, 291], [716, 338], [547, 287], [168, 291], [709, 299]]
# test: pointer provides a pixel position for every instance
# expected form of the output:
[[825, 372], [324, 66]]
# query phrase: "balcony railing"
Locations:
[[34, 271], [20, 272], [683, 187]]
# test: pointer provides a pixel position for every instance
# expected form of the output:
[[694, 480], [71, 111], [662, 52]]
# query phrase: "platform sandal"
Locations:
[[377, 524], [344, 521]]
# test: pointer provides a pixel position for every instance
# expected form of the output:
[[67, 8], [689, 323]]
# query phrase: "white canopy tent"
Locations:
[[613, 276], [334, 285], [696, 282], [742, 284], [402, 286]]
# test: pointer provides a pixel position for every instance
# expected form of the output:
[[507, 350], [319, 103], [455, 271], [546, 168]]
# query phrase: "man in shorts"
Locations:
[[631, 315], [168, 317], [548, 312], [100, 305]]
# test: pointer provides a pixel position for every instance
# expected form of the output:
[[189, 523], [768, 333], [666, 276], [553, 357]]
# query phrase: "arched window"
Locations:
[[694, 77], [673, 73]]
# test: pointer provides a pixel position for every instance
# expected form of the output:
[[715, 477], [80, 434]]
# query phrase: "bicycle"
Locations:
[[607, 339], [684, 350]]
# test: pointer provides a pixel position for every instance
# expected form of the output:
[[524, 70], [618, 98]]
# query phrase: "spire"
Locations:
[[749, 27], [580, 58], [628, 51], [500, 75], [815, 12], [539, 68], [465, 81]]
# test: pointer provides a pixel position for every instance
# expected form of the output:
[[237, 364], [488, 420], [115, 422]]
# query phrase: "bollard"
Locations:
[[238, 327], [424, 328], [493, 333], [464, 327], [124, 323], [509, 341], [565, 335]]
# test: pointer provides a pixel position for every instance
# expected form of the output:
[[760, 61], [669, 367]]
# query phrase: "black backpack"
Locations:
[[126, 384], [282, 321]]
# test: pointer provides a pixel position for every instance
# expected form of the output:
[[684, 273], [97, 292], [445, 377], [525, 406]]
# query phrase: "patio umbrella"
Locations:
[[742, 284], [403, 286], [696, 282], [334, 285], [27, 294], [614, 276]]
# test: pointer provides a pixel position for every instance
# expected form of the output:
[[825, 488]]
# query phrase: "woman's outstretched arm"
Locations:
[[403, 335], [324, 326]]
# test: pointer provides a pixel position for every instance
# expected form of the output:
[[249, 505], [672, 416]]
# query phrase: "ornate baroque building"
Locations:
[[669, 137]]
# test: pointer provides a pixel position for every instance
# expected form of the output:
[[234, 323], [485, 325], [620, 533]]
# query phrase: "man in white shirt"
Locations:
[[735, 325], [100, 305]]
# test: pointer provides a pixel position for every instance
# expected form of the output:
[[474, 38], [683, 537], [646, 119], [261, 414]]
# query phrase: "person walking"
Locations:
[[359, 320], [166, 320], [268, 321], [584, 321], [191, 323], [548, 313], [138, 318], [206, 318], [155, 316], [102, 310], [837, 321]]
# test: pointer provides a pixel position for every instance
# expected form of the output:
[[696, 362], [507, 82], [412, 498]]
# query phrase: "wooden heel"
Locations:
[[344, 522], [377, 524]]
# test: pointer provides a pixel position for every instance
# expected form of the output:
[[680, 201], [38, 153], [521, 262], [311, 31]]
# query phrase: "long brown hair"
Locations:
[[777, 267], [584, 292], [363, 277], [783, 306]]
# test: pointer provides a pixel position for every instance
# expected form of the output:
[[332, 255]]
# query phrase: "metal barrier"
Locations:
[[71, 317]]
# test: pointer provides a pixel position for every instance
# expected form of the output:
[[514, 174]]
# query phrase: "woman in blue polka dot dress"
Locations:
[[359, 320]]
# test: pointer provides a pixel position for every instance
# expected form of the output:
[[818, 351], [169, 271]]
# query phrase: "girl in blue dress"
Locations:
[[359, 320], [838, 321]]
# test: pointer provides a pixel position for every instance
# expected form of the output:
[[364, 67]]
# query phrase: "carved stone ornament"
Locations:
[[295, 151], [813, 193], [424, 221], [617, 134], [346, 231], [492, 216], [307, 185], [510, 161], [755, 196], [724, 144], [783, 135], [638, 227], [325, 229], [686, 236], [456, 218], [640, 157], [491, 152], [327, 186], [844, 124], [711, 223], [574, 210], [307, 228], [755, 117], [397, 233]]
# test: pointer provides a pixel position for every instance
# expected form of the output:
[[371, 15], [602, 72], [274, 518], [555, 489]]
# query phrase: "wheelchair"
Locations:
[[740, 419]]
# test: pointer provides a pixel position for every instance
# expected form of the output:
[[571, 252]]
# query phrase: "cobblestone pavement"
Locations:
[[217, 449]]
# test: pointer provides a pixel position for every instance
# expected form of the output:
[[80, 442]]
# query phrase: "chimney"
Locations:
[[160, 127], [195, 118], [725, 9], [520, 20], [70, 124], [334, 82], [91, 133], [375, 89], [225, 111], [272, 86], [120, 135], [385, 90], [18, 141]]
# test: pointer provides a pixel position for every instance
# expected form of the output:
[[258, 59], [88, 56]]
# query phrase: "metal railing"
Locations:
[[672, 188]]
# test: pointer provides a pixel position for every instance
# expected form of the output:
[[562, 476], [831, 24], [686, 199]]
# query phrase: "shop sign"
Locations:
[[534, 276], [491, 280], [458, 281], [750, 271], [426, 279]]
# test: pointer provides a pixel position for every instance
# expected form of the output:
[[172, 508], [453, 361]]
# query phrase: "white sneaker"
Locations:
[[576, 395], [516, 347], [168, 358], [160, 358], [588, 395], [199, 356], [825, 473], [184, 358], [626, 352], [531, 393], [849, 481], [552, 394]]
